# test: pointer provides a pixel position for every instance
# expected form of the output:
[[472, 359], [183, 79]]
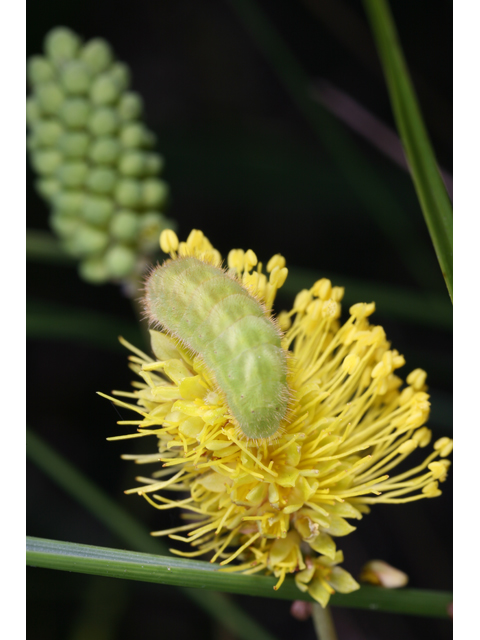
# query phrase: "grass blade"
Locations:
[[129, 531], [68, 556], [431, 192]]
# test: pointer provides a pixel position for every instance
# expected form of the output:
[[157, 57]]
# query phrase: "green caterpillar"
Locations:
[[216, 317]]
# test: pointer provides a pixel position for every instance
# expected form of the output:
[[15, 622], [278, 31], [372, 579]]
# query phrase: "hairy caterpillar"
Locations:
[[215, 316]]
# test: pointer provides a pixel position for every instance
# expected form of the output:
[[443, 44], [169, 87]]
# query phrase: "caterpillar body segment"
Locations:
[[216, 317]]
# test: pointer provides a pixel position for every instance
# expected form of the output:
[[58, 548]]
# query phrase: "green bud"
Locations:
[[48, 187], [72, 174], [92, 156], [104, 90], [64, 226], [104, 151], [124, 225], [120, 261], [75, 113], [69, 202], [97, 55], [154, 193], [34, 113], [132, 164], [103, 122], [130, 106], [154, 164], [74, 145], [93, 270], [61, 44], [75, 78], [39, 70], [134, 135], [97, 210], [32, 142], [48, 132], [101, 180], [89, 241], [46, 162], [128, 193], [50, 97], [120, 74]]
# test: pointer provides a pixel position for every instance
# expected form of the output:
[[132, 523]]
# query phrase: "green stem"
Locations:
[[323, 622], [431, 192], [115, 563], [129, 531]]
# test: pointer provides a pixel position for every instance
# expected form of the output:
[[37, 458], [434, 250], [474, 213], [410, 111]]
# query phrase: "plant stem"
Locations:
[[323, 622], [431, 192], [116, 563]]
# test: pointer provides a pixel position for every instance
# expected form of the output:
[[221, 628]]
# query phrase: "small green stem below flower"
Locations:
[[323, 622]]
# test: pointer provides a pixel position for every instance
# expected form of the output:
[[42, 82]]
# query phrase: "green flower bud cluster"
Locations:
[[95, 158]]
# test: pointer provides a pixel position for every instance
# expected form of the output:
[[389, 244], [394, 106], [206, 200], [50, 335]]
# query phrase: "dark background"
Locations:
[[245, 167]]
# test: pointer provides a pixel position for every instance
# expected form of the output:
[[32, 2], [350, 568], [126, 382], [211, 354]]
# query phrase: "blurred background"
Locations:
[[251, 169]]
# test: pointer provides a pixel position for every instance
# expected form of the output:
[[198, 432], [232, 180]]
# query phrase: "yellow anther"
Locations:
[[337, 293], [276, 261], [302, 300], [439, 469], [251, 280], [261, 284], [362, 309], [366, 377], [182, 249], [315, 309], [284, 321], [350, 363], [168, 241], [417, 379], [444, 446], [213, 257], [398, 360], [407, 447], [250, 260], [423, 435], [405, 396], [387, 360], [278, 276], [322, 289], [236, 259], [206, 245], [379, 370], [431, 490], [195, 240], [379, 335]]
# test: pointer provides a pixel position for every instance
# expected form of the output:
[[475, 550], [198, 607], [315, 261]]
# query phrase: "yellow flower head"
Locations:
[[278, 504]]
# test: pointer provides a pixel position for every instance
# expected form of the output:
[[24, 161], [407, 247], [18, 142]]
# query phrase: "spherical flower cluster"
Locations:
[[97, 168], [279, 504]]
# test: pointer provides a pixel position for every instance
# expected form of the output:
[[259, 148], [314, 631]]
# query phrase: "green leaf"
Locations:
[[114, 563], [431, 192], [128, 530]]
